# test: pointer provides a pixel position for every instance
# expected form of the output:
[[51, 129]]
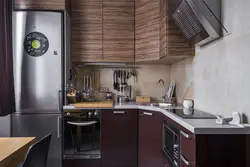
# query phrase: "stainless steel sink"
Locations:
[[161, 105]]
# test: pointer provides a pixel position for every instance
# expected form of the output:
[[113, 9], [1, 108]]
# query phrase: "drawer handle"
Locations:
[[119, 112], [148, 113], [185, 135], [59, 119], [185, 161]]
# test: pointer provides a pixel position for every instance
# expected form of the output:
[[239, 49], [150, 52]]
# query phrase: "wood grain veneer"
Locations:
[[86, 30], [41, 4], [147, 30], [157, 37], [118, 30], [176, 43]]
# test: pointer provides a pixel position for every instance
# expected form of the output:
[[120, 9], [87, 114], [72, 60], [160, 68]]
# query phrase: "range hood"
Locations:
[[199, 20]]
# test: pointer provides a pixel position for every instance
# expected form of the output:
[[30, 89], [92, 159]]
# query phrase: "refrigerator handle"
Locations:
[[59, 100], [59, 126]]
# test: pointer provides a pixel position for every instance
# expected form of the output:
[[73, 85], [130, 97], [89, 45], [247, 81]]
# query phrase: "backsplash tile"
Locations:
[[148, 76]]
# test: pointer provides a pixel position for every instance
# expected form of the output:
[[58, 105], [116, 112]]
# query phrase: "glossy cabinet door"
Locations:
[[86, 18], [118, 30], [150, 139], [119, 138], [81, 163], [187, 147], [183, 164], [41, 4]]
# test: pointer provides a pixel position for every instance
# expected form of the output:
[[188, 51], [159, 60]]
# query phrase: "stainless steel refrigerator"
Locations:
[[41, 55]]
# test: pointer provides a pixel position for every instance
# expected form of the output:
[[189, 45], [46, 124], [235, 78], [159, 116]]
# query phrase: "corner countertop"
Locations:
[[196, 126]]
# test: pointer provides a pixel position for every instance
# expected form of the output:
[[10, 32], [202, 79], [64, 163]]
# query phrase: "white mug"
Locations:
[[188, 111], [188, 103]]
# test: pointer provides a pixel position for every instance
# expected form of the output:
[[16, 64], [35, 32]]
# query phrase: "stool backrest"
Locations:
[[38, 153]]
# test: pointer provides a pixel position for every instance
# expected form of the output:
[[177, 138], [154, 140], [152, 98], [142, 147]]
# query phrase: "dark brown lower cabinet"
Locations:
[[150, 140], [82, 163], [119, 138], [212, 150]]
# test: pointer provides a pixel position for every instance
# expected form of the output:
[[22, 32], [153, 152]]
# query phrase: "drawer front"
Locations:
[[187, 146], [186, 164]]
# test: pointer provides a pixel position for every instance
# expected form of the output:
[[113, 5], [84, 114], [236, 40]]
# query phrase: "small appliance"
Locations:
[[171, 143]]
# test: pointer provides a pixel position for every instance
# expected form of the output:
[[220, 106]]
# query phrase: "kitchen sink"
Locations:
[[161, 105]]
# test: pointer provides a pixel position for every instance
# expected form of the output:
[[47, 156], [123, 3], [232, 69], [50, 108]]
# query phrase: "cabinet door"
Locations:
[[150, 139], [118, 30], [187, 146], [185, 163], [147, 30], [81, 163], [119, 138], [86, 18], [41, 4]]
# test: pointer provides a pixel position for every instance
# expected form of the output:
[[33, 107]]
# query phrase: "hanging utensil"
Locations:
[[125, 76], [115, 80], [121, 77], [134, 74], [129, 75]]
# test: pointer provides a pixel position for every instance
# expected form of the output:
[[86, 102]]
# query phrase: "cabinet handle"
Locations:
[[148, 113], [185, 161], [59, 127], [59, 100], [119, 112], [185, 135]]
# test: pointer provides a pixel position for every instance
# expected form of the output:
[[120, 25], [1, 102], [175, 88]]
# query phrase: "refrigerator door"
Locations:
[[5, 126], [37, 56], [29, 125]]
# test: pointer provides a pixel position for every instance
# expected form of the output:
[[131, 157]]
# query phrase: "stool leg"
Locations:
[[79, 138], [93, 136], [72, 138]]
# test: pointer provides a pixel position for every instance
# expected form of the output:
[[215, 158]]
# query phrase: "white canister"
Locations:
[[187, 103]]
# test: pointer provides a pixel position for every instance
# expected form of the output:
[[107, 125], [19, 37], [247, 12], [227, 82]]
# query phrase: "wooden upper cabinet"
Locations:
[[147, 30], [86, 17], [173, 45], [118, 30], [156, 35], [42, 4]]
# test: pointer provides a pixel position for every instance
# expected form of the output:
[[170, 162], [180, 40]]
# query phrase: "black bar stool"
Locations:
[[91, 134]]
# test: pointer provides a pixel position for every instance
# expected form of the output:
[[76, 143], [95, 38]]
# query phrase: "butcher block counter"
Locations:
[[13, 150]]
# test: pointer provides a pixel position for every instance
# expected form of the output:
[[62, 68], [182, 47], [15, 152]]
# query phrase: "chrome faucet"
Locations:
[[161, 83]]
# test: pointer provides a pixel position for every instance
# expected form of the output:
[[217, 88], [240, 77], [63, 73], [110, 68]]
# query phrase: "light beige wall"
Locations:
[[148, 76], [218, 77]]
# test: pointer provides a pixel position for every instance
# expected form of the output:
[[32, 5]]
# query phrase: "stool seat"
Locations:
[[82, 123]]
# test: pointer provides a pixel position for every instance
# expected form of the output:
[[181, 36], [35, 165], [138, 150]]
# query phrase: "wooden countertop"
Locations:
[[13, 150]]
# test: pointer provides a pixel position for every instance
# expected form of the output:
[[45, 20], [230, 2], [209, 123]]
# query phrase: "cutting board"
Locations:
[[100, 104], [142, 99]]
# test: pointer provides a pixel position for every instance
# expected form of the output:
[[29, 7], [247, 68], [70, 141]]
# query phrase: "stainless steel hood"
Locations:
[[199, 20]]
